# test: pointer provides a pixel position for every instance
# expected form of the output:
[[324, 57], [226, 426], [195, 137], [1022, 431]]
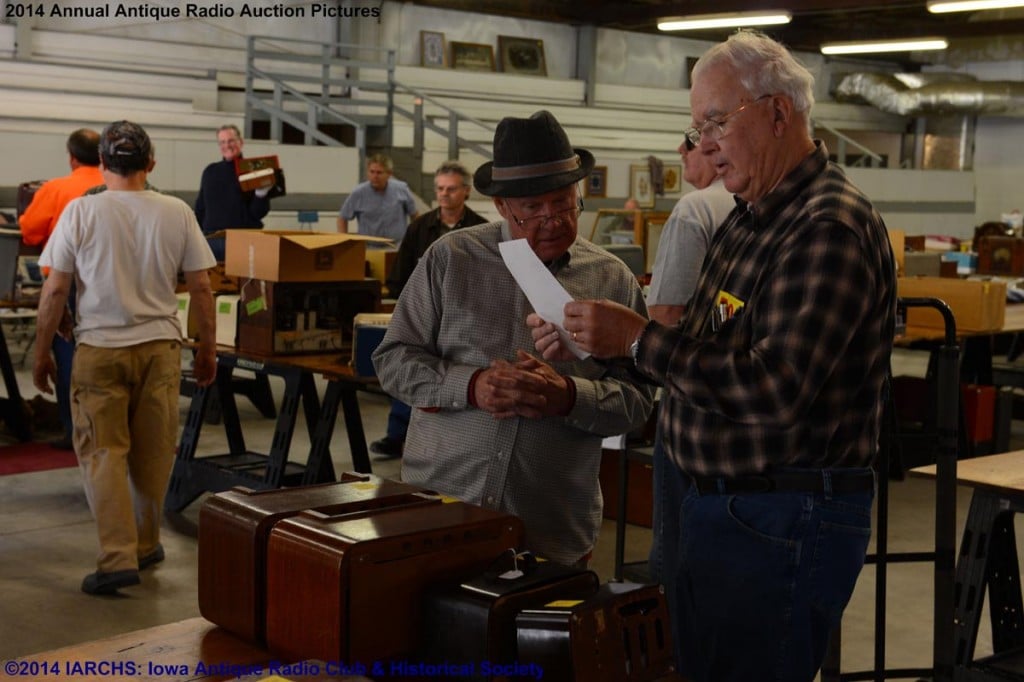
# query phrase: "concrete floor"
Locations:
[[47, 544]]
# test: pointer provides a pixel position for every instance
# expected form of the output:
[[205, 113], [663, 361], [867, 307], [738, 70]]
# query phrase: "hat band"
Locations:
[[535, 170]]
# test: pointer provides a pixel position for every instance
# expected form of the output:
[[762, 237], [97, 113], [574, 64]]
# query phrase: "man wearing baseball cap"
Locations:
[[125, 248], [492, 424]]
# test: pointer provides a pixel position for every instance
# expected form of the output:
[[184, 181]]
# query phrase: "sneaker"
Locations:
[[154, 557], [389, 448], [109, 583]]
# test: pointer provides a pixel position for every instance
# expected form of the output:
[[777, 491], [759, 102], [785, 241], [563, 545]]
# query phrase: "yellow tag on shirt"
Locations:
[[731, 303]]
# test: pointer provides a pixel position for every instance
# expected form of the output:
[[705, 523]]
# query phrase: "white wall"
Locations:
[[624, 60], [180, 163]]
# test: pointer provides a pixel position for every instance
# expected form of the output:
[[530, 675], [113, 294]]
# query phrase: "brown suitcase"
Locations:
[[474, 620], [349, 589], [233, 531], [620, 633]]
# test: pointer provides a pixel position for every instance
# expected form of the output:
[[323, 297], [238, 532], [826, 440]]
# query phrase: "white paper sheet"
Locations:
[[542, 290]]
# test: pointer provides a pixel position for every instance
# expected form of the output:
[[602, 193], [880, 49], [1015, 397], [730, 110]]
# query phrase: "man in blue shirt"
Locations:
[[382, 205]]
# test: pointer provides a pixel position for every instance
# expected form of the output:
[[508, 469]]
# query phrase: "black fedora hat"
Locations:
[[531, 156]]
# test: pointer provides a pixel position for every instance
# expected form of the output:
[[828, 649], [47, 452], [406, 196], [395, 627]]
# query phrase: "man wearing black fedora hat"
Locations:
[[495, 426]]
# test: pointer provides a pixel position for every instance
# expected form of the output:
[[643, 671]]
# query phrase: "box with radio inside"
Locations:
[[287, 318]]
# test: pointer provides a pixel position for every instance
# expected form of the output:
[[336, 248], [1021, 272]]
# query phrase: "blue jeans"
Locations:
[[761, 580], [398, 420], [63, 356]]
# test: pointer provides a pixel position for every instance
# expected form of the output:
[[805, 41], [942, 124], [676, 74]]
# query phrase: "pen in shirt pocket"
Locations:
[[721, 315]]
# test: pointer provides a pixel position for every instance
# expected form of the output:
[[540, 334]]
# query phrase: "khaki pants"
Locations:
[[124, 404]]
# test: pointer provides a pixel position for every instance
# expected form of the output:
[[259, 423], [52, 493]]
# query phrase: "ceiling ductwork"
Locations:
[[933, 94]]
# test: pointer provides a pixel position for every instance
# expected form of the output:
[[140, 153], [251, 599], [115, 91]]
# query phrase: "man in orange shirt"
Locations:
[[39, 219], [36, 225]]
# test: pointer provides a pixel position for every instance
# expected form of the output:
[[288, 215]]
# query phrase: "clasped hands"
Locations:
[[526, 388]]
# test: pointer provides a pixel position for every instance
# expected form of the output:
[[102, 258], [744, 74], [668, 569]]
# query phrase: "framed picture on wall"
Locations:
[[472, 56], [522, 55], [672, 177], [597, 182], [640, 187], [654, 223], [432, 51]]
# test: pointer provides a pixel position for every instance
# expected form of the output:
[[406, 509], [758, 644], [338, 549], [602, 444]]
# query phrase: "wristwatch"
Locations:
[[634, 348]]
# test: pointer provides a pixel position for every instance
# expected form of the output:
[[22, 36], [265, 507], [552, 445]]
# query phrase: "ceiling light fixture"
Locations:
[[904, 45], [942, 6], [724, 20]]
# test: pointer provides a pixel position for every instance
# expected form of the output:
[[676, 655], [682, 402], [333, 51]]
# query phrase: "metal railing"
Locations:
[[307, 83], [843, 141]]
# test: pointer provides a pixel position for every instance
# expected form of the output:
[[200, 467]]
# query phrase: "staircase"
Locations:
[[342, 94]]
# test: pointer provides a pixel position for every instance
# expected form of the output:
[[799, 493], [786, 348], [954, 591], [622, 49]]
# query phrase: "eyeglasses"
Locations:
[[537, 221], [715, 128]]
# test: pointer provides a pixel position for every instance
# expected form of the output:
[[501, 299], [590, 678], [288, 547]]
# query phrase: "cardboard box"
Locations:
[[898, 240], [295, 256], [289, 318], [226, 314], [977, 305], [380, 262], [921, 263]]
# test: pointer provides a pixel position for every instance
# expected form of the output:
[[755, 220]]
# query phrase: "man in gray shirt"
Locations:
[[382, 205], [492, 424]]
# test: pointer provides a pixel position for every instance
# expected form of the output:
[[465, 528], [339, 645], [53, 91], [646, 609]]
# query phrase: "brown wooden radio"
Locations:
[[341, 589], [620, 633], [233, 531], [475, 620], [1001, 256]]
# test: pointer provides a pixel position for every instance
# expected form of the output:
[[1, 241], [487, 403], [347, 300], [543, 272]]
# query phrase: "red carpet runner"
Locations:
[[22, 458]]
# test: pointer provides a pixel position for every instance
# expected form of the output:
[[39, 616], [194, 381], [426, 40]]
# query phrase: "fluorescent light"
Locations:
[[906, 45], [940, 6], [724, 20]]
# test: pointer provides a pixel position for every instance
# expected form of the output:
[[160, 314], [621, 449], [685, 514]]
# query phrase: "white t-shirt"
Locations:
[[684, 243], [126, 249]]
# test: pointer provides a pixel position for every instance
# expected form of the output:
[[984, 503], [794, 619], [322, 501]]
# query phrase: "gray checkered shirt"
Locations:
[[462, 309]]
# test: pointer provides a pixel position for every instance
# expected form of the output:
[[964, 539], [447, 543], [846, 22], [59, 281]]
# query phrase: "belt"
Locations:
[[810, 481]]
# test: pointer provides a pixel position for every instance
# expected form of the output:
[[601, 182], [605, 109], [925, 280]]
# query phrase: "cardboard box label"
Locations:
[[323, 259]]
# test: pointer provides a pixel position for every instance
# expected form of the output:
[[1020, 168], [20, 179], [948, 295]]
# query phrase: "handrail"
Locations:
[[311, 131], [319, 108], [419, 120], [845, 140]]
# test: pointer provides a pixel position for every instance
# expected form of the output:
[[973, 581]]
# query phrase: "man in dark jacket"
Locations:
[[221, 204]]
